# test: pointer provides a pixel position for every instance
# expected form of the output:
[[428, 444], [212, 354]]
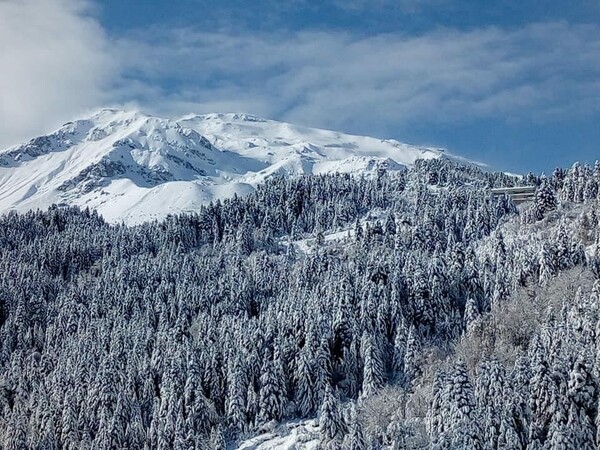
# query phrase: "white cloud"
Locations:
[[373, 84], [57, 62], [54, 64]]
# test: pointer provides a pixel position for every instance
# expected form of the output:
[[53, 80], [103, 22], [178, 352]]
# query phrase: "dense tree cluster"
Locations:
[[193, 331], [547, 399]]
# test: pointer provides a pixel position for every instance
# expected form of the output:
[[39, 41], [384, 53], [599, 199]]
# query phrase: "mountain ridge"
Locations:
[[134, 167]]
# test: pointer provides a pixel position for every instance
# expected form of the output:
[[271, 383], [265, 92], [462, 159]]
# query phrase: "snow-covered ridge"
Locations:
[[133, 167]]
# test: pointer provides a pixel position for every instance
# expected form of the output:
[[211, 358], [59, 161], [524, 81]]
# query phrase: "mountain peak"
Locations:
[[114, 114], [134, 167]]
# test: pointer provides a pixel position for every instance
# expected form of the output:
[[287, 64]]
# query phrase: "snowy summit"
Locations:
[[133, 167]]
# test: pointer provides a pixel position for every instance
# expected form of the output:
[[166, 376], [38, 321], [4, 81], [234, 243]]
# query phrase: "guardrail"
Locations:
[[518, 194]]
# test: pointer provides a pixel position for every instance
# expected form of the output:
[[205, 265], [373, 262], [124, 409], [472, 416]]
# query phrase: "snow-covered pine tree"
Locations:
[[331, 421], [272, 396], [438, 412], [236, 397], [304, 395], [471, 315], [545, 199], [411, 355], [583, 395], [400, 342], [462, 414], [373, 371], [546, 264], [354, 439]]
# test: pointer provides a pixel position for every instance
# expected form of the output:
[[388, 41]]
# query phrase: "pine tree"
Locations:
[[547, 265], [16, 437], [508, 438], [244, 238], [582, 393], [355, 439], [438, 412], [373, 372], [236, 402], [251, 407], [322, 370], [411, 367], [390, 225], [471, 315], [69, 433], [217, 439], [545, 199], [518, 393], [490, 390], [272, 395], [331, 422], [305, 384], [541, 393], [464, 423], [399, 352]]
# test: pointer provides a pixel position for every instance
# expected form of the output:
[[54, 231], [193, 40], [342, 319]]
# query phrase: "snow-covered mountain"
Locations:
[[133, 167]]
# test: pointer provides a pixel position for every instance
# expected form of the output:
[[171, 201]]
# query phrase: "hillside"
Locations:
[[321, 310]]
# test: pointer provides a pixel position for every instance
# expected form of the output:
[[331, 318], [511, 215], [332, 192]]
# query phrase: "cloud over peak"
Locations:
[[55, 63], [59, 61], [337, 79]]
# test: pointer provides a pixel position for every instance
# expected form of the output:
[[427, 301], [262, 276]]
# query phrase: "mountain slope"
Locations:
[[133, 167]]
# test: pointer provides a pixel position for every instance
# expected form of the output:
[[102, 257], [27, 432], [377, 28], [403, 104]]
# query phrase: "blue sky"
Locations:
[[515, 84]]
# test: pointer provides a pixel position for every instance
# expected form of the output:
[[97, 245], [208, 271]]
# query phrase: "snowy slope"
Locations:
[[290, 436], [133, 167], [291, 149]]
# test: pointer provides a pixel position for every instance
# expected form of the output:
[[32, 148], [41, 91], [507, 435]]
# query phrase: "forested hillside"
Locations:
[[440, 317]]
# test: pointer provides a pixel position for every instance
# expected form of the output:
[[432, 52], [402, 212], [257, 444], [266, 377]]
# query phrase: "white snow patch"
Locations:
[[290, 436], [333, 238]]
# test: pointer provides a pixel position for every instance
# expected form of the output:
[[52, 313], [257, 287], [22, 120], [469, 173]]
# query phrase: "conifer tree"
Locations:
[[400, 343], [272, 395], [411, 367], [331, 422], [373, 372], [463, 419], [236, 403], [355, 439], [545, 199], [305, 384]]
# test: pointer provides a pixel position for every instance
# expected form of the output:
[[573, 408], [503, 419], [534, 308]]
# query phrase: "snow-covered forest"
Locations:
[[406, 310]]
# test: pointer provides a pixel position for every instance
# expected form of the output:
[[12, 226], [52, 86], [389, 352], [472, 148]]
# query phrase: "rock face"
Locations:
[[133, 167]]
